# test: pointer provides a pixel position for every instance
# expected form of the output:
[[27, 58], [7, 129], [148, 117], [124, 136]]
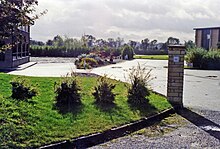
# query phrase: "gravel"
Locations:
[[187, 137]]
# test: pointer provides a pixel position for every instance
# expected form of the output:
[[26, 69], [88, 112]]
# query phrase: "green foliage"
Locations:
[[67, 91], [13, 14], [127, 52], [103, 91], [218, 45], [54, 51], [211, 60], [195, 56], [22, 89], [86, 63], [90, 61], [138, 90], [203, 59], [190, 44]]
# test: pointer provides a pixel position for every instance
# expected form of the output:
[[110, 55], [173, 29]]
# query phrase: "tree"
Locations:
[[173, 41], [132, 43], [145, 43], [58, 41], [111, 43], [127, 53], [13, 15], [153, 44], [49, 42], [190, 44], [119, 41]]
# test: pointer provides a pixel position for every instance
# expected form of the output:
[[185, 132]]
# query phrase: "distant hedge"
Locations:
[[43, 51]]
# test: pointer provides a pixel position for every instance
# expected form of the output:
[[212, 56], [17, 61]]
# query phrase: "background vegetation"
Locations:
[[203, 59]]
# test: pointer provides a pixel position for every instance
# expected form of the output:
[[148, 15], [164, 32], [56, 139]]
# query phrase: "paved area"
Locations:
[[201, 87]]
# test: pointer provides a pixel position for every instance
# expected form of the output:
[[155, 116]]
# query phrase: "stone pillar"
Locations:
[[175, 75]]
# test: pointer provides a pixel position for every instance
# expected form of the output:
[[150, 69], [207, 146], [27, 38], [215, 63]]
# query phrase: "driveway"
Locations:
[[201, 87]]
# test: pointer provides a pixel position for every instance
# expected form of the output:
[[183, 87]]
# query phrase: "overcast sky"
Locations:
[[128, 19]]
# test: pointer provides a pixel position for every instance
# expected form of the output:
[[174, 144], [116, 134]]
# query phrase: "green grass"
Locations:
[[37, 122], [154, 57]]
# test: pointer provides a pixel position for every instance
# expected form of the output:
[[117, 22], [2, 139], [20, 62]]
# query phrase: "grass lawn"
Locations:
[[37, 122], [154, 57]]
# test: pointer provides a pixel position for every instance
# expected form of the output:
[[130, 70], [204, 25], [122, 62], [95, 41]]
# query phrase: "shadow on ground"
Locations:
[[144, 109], [64, 109], [205, 124]]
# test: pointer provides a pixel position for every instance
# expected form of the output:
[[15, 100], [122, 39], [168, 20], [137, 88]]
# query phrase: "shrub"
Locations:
[[203, 59], [195, 56], [127, 52], [211, 60], [22, 89], [86, 63], [138, 88], [90, 61], [218, 45], [67, 91], [103, 91]]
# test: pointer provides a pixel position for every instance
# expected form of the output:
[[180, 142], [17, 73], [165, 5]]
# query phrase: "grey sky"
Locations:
[[128, 19]]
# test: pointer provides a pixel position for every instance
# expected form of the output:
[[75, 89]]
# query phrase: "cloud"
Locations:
[[133, 19]]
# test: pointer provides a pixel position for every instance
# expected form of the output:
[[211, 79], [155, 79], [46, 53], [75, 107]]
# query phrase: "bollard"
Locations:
[[175, 75]]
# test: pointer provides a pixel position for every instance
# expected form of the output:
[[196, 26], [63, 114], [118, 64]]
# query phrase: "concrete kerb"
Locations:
[[98, 138]]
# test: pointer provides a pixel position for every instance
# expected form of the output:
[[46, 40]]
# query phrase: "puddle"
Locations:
[[210, 128]]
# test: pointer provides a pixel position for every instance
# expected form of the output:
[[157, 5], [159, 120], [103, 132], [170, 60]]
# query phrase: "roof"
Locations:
[[203, 28]]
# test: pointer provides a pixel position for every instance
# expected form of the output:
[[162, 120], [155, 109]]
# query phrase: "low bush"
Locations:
[[138, 89], [103, 91], [68, 91], [86, 63], [22, 89], [90, 61]]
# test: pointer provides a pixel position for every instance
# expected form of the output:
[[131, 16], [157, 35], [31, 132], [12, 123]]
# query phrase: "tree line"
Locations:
[[66, 46]]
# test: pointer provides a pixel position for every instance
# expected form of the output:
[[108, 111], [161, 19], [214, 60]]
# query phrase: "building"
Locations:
[[19, 53], [207, 37]]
